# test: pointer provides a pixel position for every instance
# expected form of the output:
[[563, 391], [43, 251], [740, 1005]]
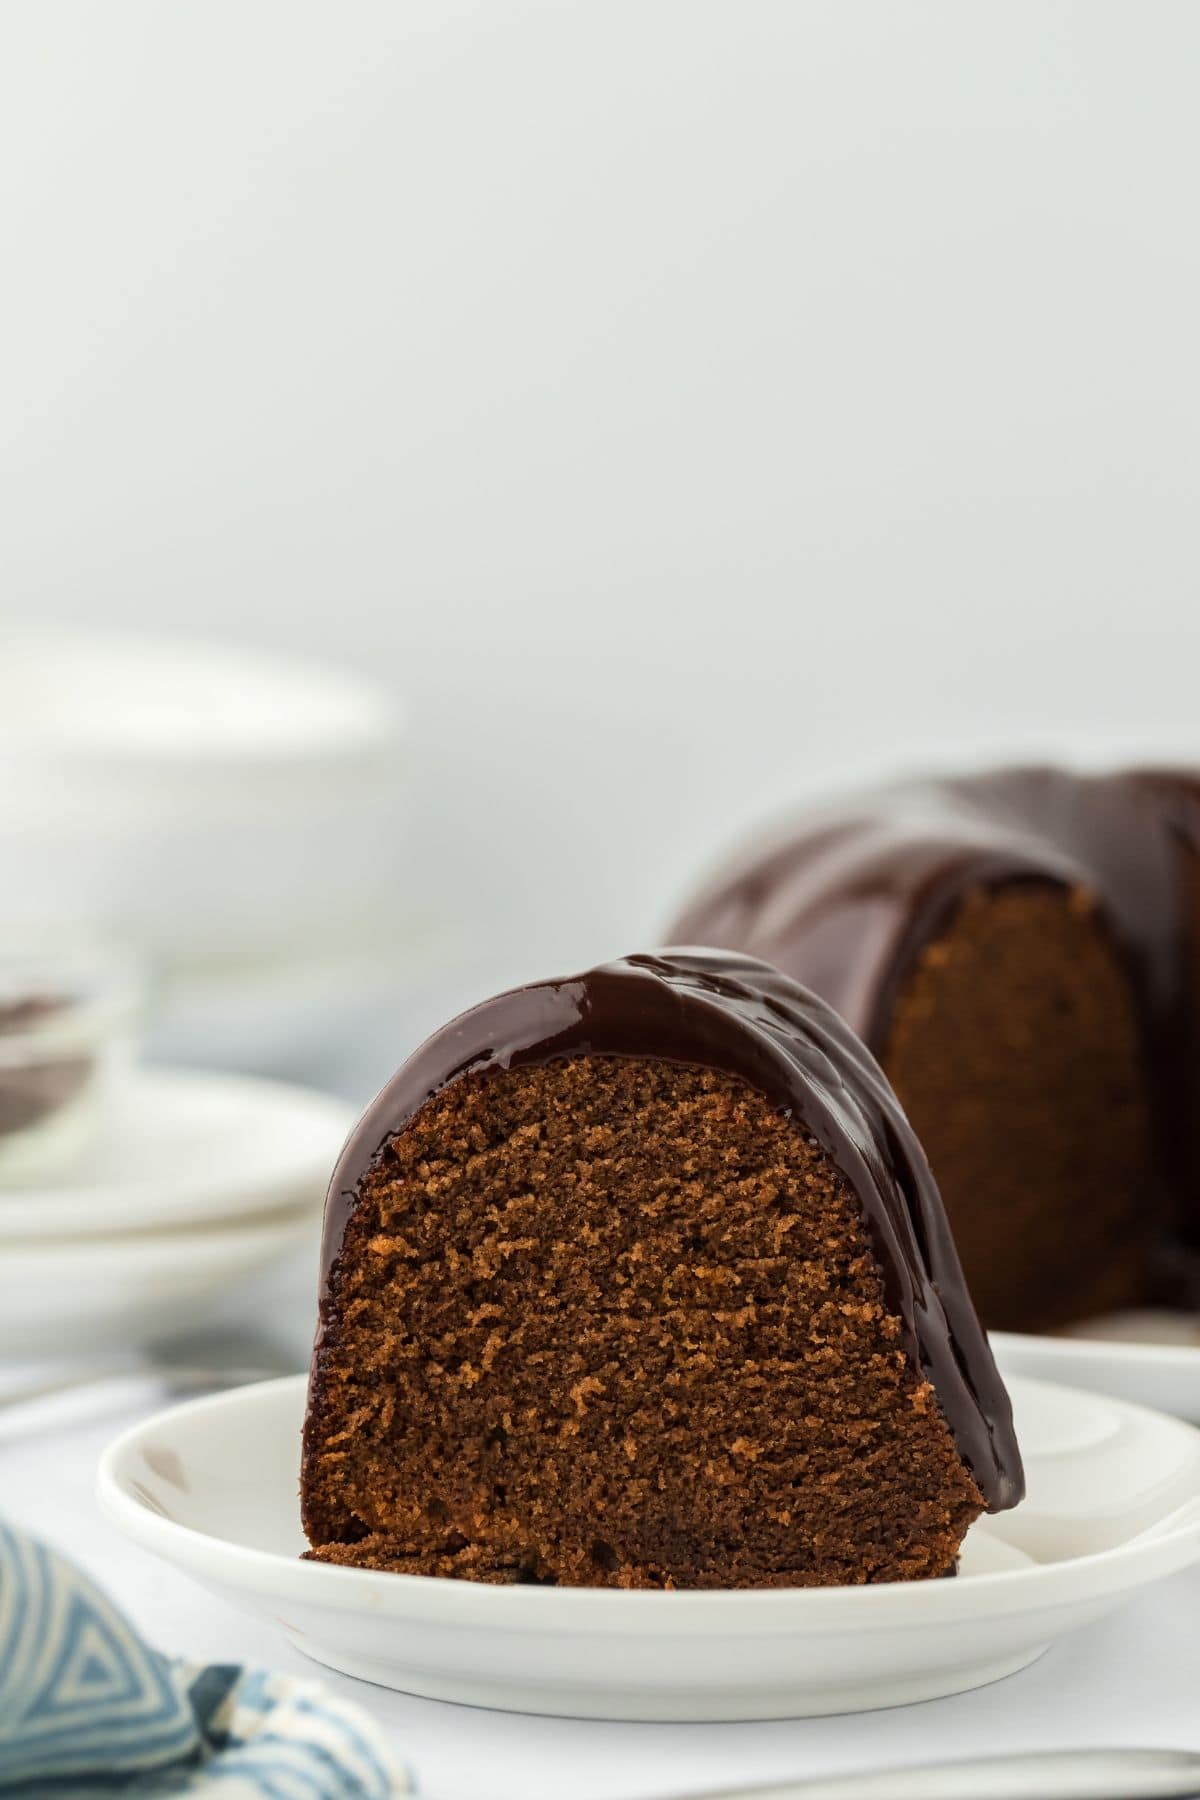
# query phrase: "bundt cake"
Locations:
[[1021, 951], [639, 1279]]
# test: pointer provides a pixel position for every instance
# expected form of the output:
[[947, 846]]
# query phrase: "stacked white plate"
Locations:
[[1150, 1357], [197, 1184]]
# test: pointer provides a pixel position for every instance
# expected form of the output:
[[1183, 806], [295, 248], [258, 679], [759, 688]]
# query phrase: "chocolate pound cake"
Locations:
[[639, 1279], [1021, 951]]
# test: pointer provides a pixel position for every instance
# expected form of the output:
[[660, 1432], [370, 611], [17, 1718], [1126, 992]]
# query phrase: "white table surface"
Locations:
[[1133, 1679]]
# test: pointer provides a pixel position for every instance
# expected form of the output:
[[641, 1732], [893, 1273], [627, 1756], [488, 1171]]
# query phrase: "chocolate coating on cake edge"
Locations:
[[745, 1018]]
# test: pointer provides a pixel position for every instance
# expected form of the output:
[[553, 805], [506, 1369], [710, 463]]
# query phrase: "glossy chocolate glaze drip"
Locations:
[[845, 900], [740, 1016]]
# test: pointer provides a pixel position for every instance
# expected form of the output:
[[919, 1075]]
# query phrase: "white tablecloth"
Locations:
[[1134, 1679]]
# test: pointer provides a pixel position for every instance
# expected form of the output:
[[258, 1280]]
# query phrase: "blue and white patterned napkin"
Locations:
[[86, 1706]]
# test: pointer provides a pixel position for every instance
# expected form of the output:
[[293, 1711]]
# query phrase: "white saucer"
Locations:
[[182, 1147], [1151, 1358], [116, 1293], [1114, 1503]]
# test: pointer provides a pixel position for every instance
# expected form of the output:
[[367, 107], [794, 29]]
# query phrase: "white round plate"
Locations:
[[119, 1292], [1151, 1358], [182, 1147], [1113, 1503]]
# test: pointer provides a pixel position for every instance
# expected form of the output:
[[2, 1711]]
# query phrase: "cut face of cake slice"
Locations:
[[640, 1279]]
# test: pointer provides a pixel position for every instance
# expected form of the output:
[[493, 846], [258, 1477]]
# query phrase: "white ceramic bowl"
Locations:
[[67, 1018], [1113, 1503], [203, 803]]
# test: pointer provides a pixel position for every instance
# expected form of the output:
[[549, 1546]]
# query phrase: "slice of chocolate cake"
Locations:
[[640, 1279]]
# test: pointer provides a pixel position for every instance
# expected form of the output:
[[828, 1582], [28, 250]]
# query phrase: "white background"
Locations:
[[682, 405]]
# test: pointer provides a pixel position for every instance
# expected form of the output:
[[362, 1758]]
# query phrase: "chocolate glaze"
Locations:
[[745, 1018], [845, 900], [32, 1089]]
